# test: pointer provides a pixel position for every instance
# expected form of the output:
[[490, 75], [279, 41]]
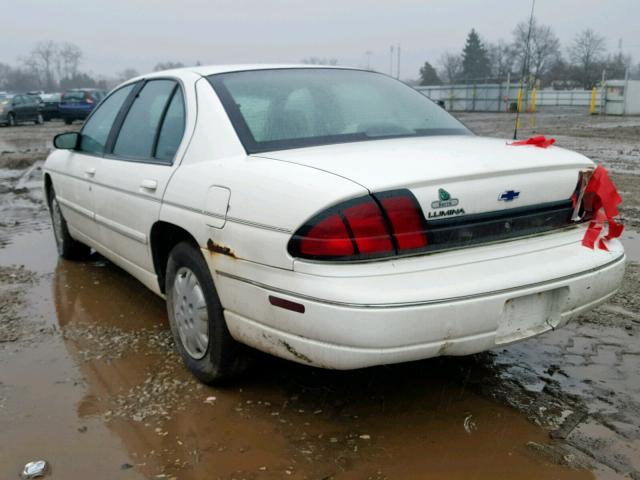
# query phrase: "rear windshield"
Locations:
[[73, 96], [292, 108]]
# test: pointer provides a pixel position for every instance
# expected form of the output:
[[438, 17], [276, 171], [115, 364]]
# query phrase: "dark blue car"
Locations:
[[77, 103]]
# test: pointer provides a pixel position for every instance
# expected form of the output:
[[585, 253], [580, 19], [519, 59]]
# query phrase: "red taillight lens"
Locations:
[[406, 220], [368, 227], [327, 238], [88, 98]]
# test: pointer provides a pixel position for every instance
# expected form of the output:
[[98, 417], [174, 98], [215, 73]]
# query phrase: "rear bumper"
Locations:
[[446, 307]]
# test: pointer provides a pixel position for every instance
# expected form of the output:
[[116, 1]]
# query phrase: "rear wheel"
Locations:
[[196, 318], [67, 246], [68, 121]]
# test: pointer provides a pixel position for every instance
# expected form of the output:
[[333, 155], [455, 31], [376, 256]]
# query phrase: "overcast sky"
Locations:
[[119, 34]]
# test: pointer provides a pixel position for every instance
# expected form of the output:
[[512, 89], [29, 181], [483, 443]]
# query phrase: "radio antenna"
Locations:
[[525, 69]]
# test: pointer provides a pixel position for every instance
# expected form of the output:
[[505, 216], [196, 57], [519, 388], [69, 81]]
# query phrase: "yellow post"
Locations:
[[520, 100], [592, 108], [533, 99]]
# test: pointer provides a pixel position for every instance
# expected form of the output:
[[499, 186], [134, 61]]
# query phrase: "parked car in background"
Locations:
[[77, 103], [50, 106], [334, 217], [20, 108]]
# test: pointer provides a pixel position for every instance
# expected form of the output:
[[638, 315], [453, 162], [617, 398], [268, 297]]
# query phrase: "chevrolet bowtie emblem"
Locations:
[[508, 196]]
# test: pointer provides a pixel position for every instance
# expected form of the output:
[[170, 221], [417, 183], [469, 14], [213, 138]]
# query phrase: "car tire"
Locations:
[[68, 121], [197, 322], [12, 120], [39, 119], [68, 247]]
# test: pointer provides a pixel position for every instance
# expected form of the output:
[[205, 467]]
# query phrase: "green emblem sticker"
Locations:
[[444, 200]]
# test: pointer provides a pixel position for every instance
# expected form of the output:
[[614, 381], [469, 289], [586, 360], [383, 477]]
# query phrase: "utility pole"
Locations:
[[398, 66], [368, 54], [391, 60]]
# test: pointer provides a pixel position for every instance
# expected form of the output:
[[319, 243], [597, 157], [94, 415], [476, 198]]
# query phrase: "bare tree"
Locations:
[[450, 67], [501, 59], [617, 65], [5, 72], [126, 74], [68, 60], [319, 61], [41, 61], [586, 52], [544, 48], [167, 66]]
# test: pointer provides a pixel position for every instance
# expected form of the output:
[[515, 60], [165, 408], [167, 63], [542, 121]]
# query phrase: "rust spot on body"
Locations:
[[295, 353], [216, 248]]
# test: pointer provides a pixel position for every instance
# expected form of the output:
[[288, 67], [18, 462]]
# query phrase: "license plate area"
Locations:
[[530, 315]]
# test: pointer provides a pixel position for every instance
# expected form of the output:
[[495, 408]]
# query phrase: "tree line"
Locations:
[[54, 67], [580, 64]]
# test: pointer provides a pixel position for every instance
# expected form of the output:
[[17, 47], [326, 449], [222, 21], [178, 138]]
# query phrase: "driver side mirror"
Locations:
[[67, 141]]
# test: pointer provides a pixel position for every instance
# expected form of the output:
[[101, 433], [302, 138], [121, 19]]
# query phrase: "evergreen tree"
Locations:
[[475, 59], [428, 75]]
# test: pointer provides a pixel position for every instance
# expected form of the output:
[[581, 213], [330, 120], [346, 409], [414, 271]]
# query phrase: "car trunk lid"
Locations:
[[452, 176]]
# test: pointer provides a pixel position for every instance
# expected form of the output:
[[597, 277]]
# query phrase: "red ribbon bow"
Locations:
[[540, 141], [602, 198]]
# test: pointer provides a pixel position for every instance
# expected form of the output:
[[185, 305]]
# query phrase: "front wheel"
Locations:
[[68, 121], [196, 318], [67, 246]]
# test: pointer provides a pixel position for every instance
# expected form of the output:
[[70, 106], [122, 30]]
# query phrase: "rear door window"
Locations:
[[96, 130], [172, 129], [136, 139]]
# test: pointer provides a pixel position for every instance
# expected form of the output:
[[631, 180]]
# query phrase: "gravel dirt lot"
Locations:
[[89, 380]]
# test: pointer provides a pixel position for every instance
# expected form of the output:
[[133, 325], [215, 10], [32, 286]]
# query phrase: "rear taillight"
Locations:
[[406, 219], [88, 98], [375, 226], [581, 203]]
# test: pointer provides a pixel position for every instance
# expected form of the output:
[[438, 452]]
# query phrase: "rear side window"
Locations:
[[96, 130], [137, 135], [172, 129]]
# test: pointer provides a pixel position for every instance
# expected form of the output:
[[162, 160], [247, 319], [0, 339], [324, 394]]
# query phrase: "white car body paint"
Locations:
[[357, 314]]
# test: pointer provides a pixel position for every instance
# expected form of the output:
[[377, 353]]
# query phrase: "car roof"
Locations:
[[206, 70], [82, 89]]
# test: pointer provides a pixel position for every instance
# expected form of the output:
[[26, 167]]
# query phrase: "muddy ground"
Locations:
[[89, 380]]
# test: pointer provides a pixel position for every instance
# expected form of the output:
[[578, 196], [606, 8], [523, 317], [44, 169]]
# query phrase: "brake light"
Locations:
[[369, 227], [369, 230], [328, 237], [407, 221], [88, 98]]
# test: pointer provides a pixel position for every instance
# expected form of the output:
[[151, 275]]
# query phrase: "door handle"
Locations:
[[149, 185], [90, 172]]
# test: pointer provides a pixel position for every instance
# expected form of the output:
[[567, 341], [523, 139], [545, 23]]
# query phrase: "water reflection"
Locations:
[[283, 419]]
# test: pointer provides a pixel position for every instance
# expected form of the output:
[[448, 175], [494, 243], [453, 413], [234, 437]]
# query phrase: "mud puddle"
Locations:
[[95, 388]]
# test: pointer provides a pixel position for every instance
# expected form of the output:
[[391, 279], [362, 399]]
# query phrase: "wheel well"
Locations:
[[48, 186], [165, 236]]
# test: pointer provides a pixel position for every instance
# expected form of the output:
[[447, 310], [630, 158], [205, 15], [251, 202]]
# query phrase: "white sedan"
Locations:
[[334, 217]]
